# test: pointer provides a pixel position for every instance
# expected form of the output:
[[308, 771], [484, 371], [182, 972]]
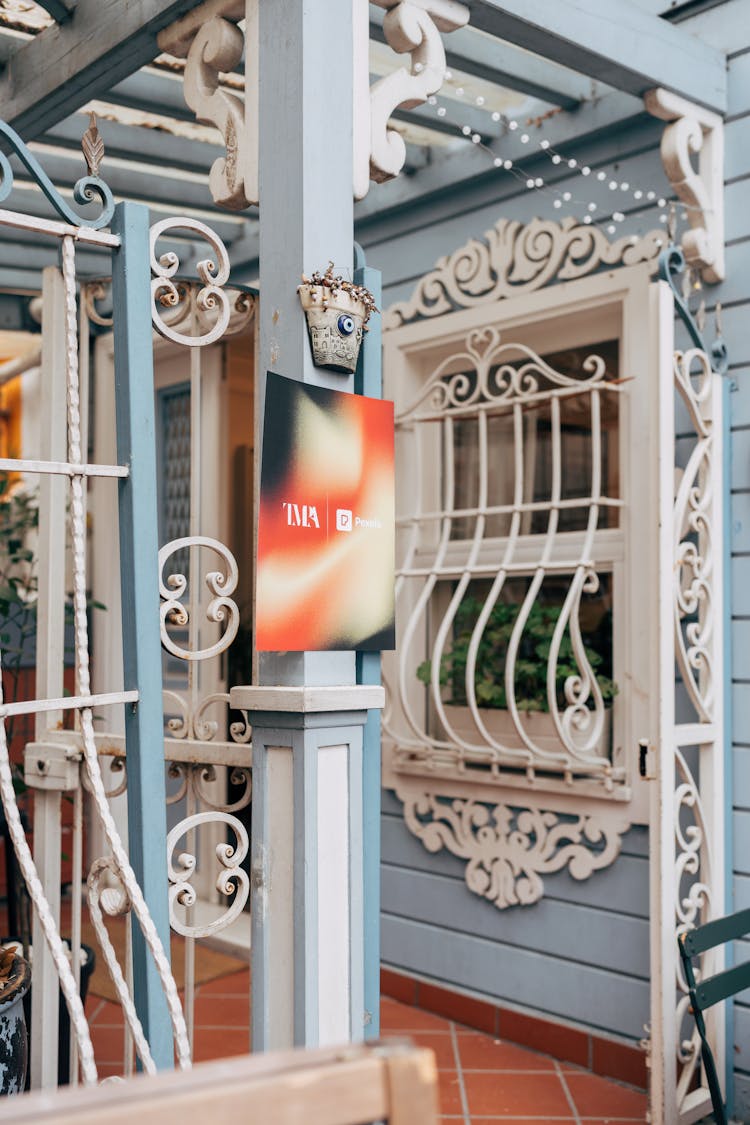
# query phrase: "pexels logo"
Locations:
[[301, 515], [346, 522]]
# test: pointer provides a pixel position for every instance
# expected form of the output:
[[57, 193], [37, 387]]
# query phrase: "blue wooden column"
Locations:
[[368, 380], [141, 641]]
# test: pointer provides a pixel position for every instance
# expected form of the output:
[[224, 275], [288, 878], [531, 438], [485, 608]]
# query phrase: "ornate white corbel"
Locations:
[[211, 43], [411, 27], [693, 129]]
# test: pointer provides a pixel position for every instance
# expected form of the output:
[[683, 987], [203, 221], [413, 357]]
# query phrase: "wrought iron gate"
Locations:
[[141, 882]]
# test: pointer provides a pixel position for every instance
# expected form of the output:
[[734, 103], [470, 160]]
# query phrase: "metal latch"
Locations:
[[51, 765], [646, 760]]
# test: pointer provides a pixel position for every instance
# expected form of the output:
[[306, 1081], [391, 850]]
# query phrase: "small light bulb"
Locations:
[[529, 183], [507, 165], [662, 203], [512, 125], [663, 218], [612, 185], [544, 144], [557, 203], [480, 100], [418, 67], [637, 195], [556, 159], [572, 163], [448, 75], [625, 186], [651, 195], [441, 111], [466, 129], [567, 196], [601, 176], [585, 171], [587, 218], [432, 100], [524, 138], [539, 181], [459, 91], [476, 138], [592, 207], [497, 162], [611, 228], [495, 116]]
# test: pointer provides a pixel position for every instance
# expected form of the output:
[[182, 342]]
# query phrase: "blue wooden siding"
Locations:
[[582, 952]]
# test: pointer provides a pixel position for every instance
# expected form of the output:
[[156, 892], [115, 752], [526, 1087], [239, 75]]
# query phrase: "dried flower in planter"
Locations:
[[337, 313]]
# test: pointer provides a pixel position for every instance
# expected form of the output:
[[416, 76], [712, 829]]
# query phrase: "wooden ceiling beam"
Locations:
[[67, 64], [613, 42]]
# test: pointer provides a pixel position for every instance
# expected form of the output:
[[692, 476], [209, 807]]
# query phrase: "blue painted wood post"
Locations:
[[368, 380], [141, 641]]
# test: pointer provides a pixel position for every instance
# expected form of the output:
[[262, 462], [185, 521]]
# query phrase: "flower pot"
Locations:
[[335, 322], [14, 1036]]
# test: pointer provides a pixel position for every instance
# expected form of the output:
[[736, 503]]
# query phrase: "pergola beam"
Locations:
[[469, 165], [60, 10], [504, 65], [612, 42], [67, 64]]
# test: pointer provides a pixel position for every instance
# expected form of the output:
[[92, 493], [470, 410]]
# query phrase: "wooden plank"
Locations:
[[138, 142], [741, 842], [605, 938], [347, 1087], [741, 587], [506, 974], [67, 64], [741, 762], [610, 41], [738, 86]]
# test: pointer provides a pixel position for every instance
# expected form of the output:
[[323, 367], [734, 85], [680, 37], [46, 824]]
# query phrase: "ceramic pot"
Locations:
[[335, 322], [14, 1038]]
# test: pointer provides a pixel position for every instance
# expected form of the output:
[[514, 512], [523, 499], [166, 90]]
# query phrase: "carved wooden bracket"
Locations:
[[507, 849], [411, 27], [693, 129], [211, 43]]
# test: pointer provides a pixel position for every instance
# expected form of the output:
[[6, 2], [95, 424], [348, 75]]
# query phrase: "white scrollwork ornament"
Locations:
[[413, 29], [213, 274], [221, 584], [231, 880], [509, 850]]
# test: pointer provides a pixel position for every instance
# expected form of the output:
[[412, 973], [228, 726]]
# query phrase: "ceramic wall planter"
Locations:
[[14, 1038], [337, 312]]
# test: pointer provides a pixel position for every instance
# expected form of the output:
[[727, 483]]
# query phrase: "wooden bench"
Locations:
[[391, 1082]]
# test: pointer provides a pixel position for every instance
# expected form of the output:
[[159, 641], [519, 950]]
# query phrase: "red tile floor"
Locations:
[[482, 1080]]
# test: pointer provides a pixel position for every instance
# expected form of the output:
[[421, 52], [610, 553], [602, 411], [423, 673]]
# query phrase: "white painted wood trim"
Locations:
[[302, 700]]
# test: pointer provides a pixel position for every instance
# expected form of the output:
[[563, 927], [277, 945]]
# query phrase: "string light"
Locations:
[[537, 183]]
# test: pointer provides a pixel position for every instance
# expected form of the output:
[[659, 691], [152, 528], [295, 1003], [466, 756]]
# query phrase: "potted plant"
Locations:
[[15, 980], [337, 313], [530, 676]]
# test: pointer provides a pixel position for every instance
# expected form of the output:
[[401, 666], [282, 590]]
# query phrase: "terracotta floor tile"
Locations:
[[108, 1044], [103, 1013], [234, 984], [482, 1052], [220, 1043], [450, 1092], [400, 1017], [523, 1094], [441, 1042], [222, 1011], [600, 1097]]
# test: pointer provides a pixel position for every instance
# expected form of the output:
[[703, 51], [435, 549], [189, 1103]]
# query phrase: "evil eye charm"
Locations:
[[345, 325]]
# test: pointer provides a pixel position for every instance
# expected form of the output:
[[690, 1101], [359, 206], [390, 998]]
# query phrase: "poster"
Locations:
[[326, 531]]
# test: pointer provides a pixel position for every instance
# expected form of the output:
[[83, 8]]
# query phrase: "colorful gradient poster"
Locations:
[[326, 531]]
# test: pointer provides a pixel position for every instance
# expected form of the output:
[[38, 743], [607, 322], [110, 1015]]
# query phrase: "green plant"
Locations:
[[530, 680]]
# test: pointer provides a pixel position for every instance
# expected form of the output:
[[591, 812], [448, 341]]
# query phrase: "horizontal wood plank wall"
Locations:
[[581, 954]]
